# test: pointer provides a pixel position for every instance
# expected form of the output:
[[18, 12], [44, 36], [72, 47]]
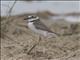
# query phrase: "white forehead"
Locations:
[[29, 16]]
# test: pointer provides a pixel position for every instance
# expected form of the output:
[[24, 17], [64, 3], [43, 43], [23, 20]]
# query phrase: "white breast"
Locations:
[[32, 27]]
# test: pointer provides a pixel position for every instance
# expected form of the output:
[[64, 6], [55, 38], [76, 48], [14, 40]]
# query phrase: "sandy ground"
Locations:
[[17, 39]]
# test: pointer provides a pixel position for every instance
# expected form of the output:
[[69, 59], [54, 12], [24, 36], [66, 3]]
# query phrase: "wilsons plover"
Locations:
[[37, 26]]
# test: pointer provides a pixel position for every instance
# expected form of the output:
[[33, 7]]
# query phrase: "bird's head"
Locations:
[[31, 18]]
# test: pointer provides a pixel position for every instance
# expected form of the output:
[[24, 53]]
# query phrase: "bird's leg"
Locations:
[[34, 46]]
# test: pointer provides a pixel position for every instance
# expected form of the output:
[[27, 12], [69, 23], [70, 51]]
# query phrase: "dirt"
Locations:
[[17, 39]]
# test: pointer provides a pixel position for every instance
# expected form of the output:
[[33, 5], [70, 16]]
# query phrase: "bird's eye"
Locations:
[[29, 17], [32, 16]]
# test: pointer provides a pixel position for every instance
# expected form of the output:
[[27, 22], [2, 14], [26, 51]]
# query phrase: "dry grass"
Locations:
[[17, 39]]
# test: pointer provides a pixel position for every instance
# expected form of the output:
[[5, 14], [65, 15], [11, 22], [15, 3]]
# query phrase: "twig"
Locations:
[[9, 13], [34, 46], [10, 10]]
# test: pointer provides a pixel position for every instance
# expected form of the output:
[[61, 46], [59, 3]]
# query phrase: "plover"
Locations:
[[38, 27], [34, 24]]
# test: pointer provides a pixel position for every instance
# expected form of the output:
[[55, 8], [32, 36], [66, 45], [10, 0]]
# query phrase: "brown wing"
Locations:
[[39, 25]]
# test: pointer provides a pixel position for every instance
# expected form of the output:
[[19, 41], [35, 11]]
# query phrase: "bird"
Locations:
[[37, 26]]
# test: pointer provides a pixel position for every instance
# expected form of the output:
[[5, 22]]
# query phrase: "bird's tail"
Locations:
[[53, 35]]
